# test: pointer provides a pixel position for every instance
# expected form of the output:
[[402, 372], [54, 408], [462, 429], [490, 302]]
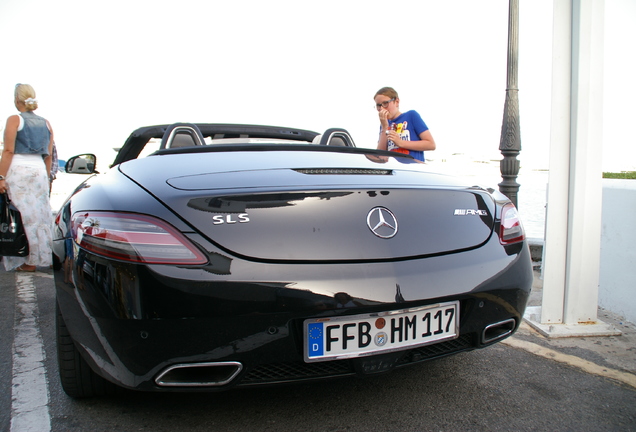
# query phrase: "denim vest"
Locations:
[[34, 137]]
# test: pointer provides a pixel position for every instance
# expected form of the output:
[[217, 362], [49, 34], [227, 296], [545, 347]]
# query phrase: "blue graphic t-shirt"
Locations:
[[409, 126]]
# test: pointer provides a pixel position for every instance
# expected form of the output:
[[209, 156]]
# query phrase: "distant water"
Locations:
[[532, 199], [531, 196]]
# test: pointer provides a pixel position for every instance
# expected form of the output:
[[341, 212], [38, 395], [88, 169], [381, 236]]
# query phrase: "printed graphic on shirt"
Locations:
[[403, 133]]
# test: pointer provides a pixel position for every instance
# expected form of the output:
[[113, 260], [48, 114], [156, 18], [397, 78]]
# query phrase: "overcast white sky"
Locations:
[[102, 69]]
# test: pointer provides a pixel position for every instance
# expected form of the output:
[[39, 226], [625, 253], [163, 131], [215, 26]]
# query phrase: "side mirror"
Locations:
[[82, 164]]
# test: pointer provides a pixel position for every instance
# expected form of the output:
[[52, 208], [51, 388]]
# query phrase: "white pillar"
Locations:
[[556, 224], [573, 222], [586, 173]]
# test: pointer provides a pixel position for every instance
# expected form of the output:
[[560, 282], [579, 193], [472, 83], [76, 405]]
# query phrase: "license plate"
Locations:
[[368, 334]]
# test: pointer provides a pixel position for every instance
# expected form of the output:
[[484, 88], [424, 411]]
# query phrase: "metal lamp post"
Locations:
[[510, 143]]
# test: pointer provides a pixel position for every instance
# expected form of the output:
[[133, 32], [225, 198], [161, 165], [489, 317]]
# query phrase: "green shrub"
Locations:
[[620, 175]]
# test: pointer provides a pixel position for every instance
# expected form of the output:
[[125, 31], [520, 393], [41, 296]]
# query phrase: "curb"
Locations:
[[536, 249]]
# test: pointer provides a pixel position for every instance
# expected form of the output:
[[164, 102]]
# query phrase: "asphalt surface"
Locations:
[[526, 383], [614, 354]]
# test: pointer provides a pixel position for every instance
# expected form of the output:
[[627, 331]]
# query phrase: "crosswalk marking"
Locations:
[[29, 389]]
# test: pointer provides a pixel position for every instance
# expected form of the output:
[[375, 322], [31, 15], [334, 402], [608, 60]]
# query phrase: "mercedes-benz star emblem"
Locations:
[[382, 222]]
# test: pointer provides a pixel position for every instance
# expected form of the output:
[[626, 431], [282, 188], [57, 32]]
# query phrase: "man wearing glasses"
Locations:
[[401, 132]]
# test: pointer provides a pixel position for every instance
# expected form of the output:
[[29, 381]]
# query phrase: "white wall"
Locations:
[[617, 279]]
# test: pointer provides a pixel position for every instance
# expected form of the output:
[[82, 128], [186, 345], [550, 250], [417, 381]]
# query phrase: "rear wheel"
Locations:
[[78, 379]]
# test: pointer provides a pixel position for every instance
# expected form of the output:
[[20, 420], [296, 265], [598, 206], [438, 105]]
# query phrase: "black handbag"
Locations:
[[13, 239]]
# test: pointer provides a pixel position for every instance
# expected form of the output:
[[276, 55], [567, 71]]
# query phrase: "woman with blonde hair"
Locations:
[[24, 174]]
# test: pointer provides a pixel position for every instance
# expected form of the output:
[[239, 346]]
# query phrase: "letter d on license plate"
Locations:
[[363, 335]]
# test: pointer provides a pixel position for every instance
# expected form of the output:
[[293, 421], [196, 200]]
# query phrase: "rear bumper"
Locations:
[[136, 324]]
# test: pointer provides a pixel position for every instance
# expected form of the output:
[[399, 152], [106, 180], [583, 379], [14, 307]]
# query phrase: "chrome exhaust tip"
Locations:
[[210, 374], [496, 331]]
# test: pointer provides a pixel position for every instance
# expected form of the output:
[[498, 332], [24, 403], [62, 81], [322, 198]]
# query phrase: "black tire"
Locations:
[[77, 378]]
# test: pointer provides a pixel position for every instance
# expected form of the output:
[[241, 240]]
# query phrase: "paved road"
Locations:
[[501, 388]]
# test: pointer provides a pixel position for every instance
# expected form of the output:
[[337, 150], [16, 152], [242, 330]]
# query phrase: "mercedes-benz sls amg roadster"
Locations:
[[211, 256]]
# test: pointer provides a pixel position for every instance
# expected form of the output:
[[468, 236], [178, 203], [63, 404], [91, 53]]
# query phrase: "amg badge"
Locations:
[[470, 212]]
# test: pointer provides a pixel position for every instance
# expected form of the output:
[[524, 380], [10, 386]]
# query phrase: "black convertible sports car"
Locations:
[[236, 255]]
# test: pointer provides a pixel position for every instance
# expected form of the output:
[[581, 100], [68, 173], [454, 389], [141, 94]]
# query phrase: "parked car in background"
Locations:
[[211, 256]]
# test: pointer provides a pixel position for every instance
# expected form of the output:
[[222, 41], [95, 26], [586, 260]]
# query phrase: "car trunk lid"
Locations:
[[305, 214]]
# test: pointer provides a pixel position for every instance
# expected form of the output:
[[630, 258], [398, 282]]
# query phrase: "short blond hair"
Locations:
[[24, 92]]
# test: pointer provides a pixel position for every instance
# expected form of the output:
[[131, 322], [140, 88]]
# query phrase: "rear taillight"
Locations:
[[511, 230], [134, 238]]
